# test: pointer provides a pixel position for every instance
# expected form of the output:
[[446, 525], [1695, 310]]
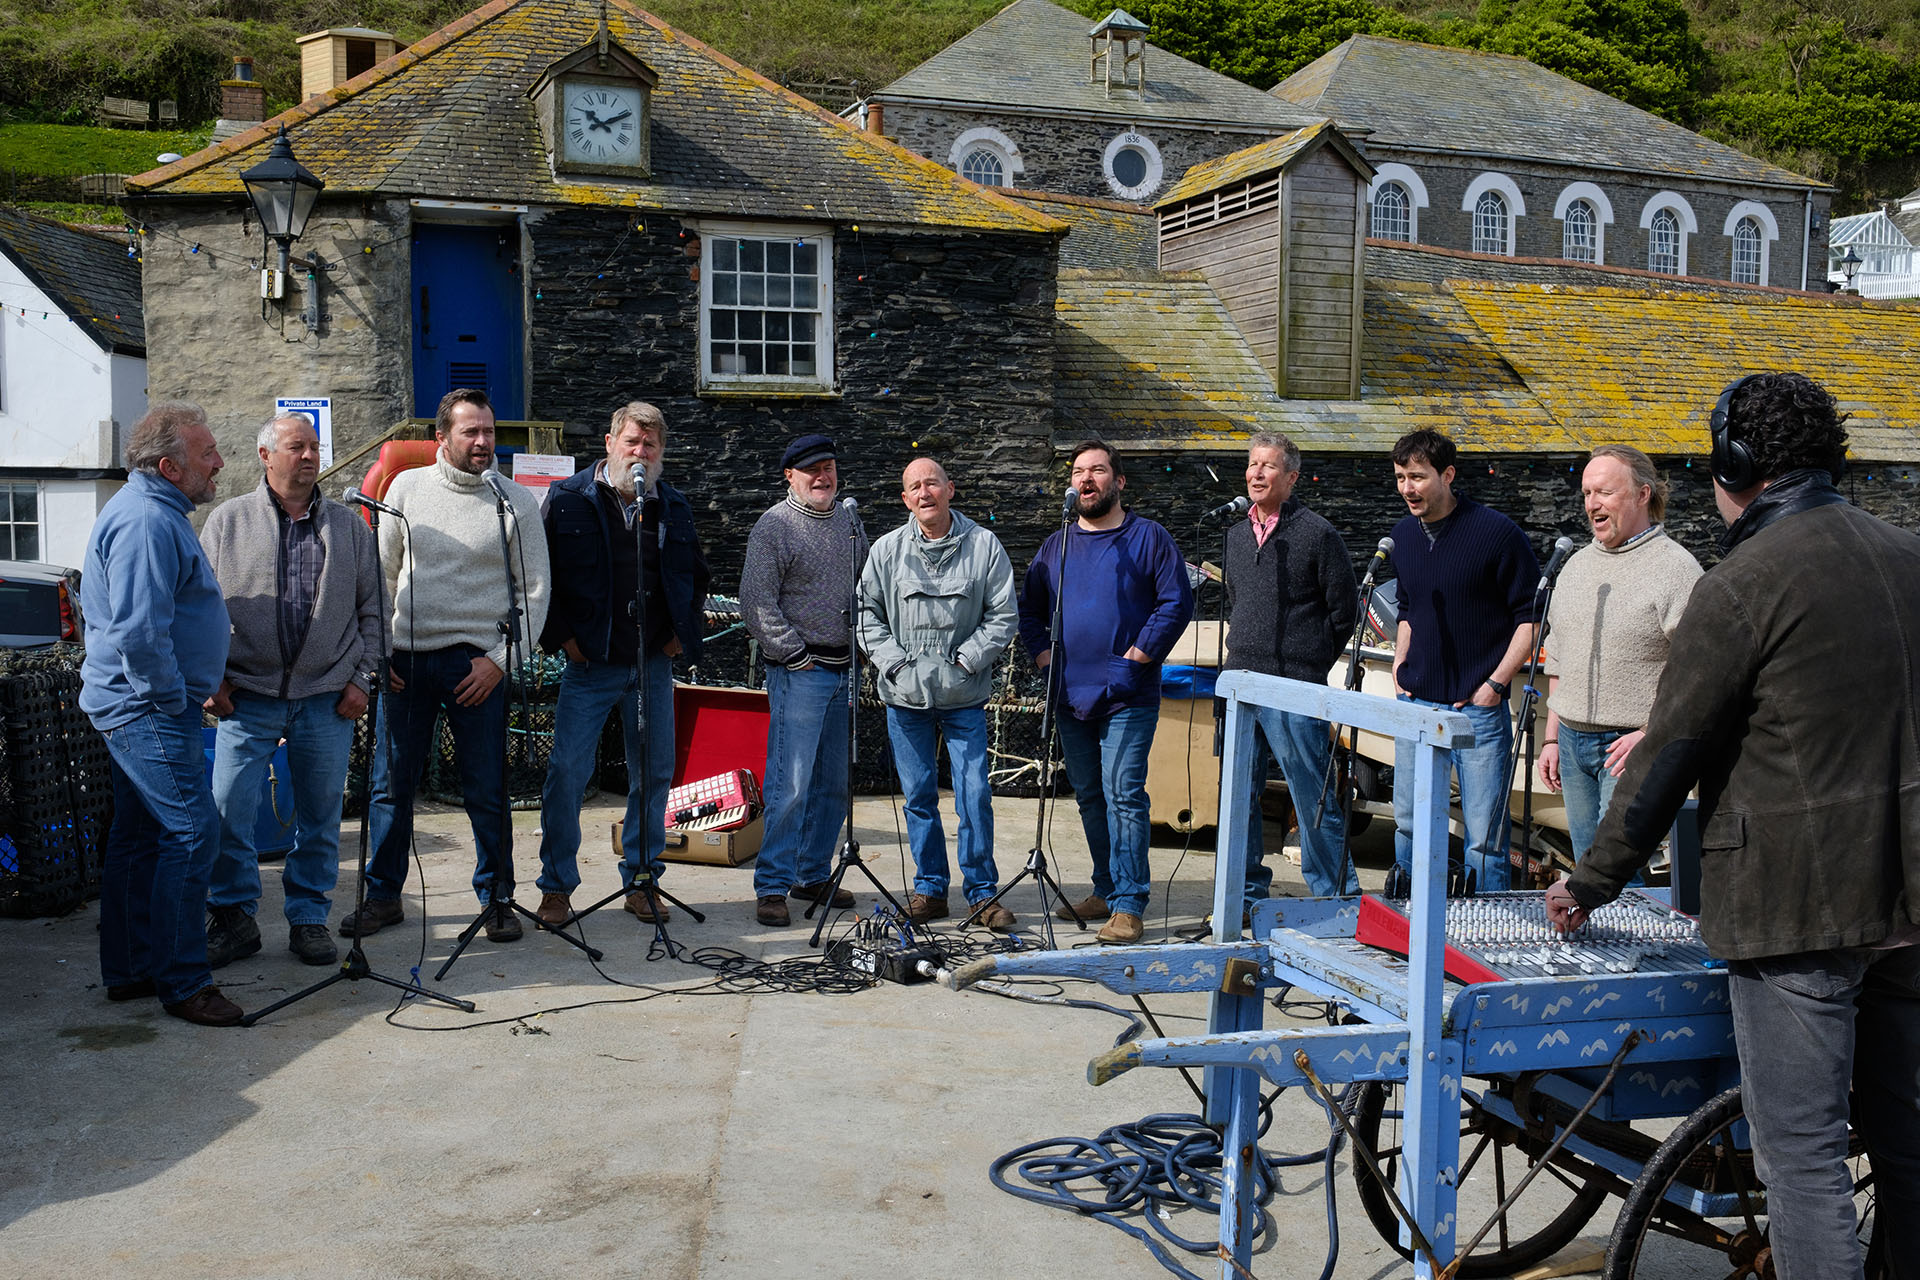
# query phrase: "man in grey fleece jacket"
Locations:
[[300, 577]]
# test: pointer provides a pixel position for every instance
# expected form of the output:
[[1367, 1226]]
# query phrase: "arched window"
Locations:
[[1663, 243], [1578, 239], [984, 166], [1392, 213], [1490, 223], [1748, 262]]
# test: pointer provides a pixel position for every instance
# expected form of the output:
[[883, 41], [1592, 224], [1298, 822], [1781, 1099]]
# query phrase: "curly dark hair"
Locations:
[[1789, 421]]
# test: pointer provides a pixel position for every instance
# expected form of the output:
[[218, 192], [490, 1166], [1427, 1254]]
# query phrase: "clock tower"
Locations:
[[596, 110]]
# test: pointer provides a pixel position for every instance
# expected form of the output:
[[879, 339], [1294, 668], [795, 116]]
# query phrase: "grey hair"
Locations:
[[641, 413], [157, 435], [1289, 451], [1642, 469], [269, 437]]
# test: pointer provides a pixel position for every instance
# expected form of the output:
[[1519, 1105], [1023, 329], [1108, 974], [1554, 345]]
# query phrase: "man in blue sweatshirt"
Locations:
[[156, 630], [1121, 589], [1466, 582]]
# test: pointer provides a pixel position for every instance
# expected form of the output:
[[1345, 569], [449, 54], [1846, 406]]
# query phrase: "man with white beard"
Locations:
[[629, 593]]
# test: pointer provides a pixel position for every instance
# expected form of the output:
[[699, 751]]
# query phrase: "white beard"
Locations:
[[632, 477]]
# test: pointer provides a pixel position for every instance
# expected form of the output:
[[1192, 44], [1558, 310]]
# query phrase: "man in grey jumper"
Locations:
[[301, 579], [796, 595]]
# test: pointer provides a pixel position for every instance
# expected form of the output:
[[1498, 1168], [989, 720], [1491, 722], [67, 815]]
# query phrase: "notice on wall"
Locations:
[[320, 410], [537, 471]]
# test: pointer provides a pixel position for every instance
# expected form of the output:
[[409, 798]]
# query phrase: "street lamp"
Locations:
[[1850, 264], [283, 193]]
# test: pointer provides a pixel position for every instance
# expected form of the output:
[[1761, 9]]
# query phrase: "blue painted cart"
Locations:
[[1557, 1068]]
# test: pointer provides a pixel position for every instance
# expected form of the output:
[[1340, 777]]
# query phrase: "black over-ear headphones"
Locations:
[[1733, 462]]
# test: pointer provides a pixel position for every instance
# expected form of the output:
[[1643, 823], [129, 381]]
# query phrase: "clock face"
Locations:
[[601, 124]]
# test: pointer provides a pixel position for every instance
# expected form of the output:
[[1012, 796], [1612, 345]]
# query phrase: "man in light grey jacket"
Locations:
[[301, 580], [937, 609]]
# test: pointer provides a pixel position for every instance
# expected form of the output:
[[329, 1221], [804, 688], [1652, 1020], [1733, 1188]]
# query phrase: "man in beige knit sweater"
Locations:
[[450, 607], [1615, 608]]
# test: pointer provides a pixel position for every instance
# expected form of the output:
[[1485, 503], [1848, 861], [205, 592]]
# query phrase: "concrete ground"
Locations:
[[633, 1122]]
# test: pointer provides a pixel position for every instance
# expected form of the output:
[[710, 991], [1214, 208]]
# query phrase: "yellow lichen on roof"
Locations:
[[1238, 166]]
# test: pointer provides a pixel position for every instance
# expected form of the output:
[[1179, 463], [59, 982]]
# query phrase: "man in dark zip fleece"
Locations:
[[300, 577]]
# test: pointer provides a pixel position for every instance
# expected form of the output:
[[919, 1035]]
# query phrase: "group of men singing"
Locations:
[[276, 619]]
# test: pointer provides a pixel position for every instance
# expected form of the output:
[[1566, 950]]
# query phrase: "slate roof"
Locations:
[[1491, 104], [1154, 362], [1034, 55], [449, 118], [1263, 157], [88, 275], [1106, 234]]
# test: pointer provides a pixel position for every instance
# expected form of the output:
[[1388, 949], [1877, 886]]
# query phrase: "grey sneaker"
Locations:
[[231, 934], [313, 944]]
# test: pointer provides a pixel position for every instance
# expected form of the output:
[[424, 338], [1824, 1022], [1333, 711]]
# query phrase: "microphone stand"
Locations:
[[850, 850], [643, 879], [1523, 742], [1340, 762], [1036, 865], [354, 966], [503, 861]]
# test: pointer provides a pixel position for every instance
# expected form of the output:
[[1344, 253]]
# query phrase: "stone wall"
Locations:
[[943, 346], [207, 341], [1539, 234], [1064, 153]]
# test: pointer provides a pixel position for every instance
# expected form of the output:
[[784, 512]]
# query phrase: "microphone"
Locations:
[[497, 483], [1072, 505], [1381, 552], [355, 498], [1230, 510], [851, 506], [1561, 550]]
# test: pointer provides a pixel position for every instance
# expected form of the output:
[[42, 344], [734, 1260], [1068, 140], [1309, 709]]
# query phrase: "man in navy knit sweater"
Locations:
[[1124, 599], [1466, 582]]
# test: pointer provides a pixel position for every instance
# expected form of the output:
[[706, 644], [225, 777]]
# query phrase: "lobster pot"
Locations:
[[56, 790]]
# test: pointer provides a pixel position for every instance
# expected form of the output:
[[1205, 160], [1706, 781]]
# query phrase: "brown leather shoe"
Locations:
[[206, 1008], [772, 911], [922, 908], [995, 917], [1091, 907], [817, 892], [373, 916], [654, 912], [1125, 927], [555, 909]]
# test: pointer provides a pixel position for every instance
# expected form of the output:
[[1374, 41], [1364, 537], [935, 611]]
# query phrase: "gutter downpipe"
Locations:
[[1806, 239]]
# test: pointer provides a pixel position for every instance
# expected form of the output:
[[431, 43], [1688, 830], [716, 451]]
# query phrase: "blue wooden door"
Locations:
[[466, 316]]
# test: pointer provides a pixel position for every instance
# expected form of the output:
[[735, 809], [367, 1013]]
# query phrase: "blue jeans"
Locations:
[[913, 733], [403, 736], [588, 691], [806, 783], [1585, 783], [1484, 792], [1303, 748], [1106, 761], [1808, 1026], [159, 851], [318, 743]]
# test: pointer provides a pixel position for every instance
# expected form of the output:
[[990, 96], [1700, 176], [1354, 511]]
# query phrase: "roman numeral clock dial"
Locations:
[[601, 124]]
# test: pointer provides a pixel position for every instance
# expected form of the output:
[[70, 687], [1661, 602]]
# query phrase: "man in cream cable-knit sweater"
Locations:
[[450, 654], [1616, 605]]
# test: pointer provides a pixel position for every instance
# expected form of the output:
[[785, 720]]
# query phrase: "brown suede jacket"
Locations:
[[1790, 699]]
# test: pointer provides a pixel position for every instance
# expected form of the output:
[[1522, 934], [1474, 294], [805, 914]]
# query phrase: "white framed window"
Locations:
[[1392, 217], [1585, 213], [1412, 197], [19, 520], [766, 307], [1496, 204], [986, 156], [1751, 227], [1133, 167], [1668, 220]]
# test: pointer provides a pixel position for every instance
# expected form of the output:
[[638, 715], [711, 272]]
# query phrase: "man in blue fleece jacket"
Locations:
[[1124, 599], [157, 633]]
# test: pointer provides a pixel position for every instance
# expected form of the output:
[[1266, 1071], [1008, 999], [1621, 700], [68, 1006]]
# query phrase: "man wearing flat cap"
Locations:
[[796, 593]]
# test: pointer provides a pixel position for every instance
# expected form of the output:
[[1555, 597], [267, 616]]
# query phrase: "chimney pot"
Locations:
[[243, 68]]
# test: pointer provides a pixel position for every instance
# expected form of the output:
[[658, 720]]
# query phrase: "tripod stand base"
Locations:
[[468, 934], [354, 968], [849, 858], [1043, 880]]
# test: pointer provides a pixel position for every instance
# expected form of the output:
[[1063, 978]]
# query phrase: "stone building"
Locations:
[[1040, 98], [1489, 153], [751, 263]]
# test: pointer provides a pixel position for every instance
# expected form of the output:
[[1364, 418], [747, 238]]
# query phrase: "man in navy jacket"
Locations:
[[1124, 599], [629, 592]]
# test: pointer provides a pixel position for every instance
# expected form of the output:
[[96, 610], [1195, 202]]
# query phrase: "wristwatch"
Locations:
[[1496, 686]]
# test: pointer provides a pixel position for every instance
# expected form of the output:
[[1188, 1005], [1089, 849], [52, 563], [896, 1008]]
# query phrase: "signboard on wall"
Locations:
[[320, 410], [539, 470]]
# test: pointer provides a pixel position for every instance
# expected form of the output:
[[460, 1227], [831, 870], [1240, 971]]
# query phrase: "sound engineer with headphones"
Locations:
[[1791, 699]]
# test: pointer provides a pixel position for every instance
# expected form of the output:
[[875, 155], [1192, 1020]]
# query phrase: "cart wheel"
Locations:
[[1493, 1158], [1701, 1155]]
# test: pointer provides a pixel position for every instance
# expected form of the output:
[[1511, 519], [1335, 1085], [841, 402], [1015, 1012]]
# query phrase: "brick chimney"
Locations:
[[243, 100]]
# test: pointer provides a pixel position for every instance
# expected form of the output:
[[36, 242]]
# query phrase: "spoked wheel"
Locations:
[[1494, 1156], [1723, 1232]]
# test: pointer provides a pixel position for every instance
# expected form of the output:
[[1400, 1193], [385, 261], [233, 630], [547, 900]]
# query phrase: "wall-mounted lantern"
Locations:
[[283, 192]]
